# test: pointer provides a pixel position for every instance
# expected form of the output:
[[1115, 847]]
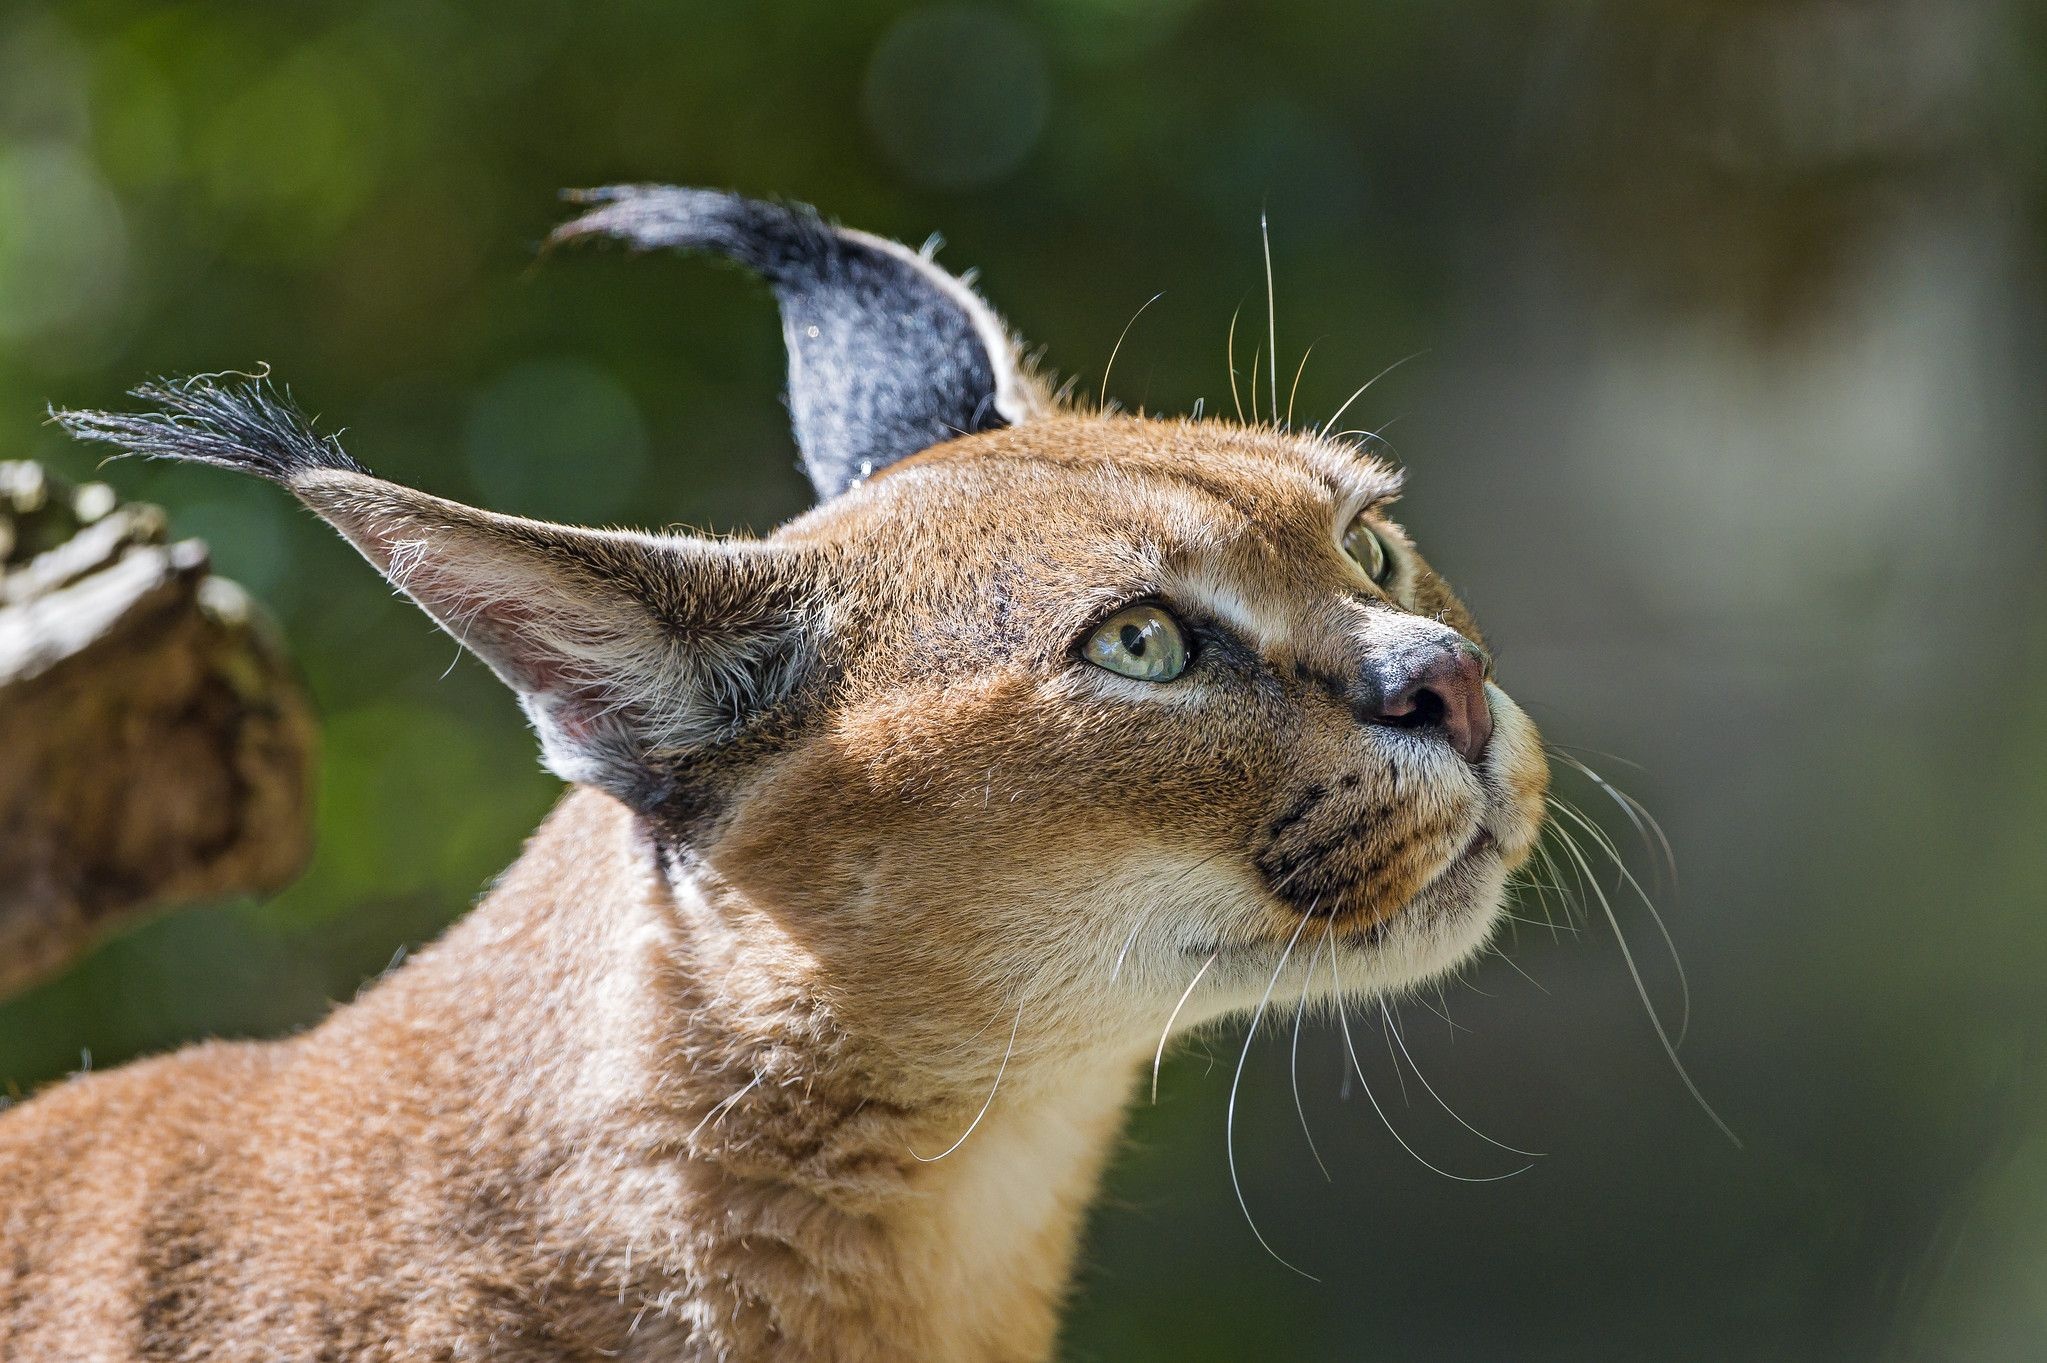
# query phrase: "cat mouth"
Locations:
[[1482, 846], [1481, 843], [1439, 897]]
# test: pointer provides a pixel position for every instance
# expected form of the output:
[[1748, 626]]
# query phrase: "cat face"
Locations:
[[987, 793], [1035, 711]]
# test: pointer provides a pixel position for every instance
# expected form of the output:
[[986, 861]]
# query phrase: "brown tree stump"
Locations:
[[156, 745]]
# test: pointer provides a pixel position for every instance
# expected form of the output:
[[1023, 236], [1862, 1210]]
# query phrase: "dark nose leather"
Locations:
[[1439, 686]]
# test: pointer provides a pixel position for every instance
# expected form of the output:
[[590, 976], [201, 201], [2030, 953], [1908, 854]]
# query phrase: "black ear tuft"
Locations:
[[888, 354], [640, 659], [249, 427]]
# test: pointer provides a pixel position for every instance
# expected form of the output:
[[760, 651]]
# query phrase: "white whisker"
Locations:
[[1116, 349], [1398, 1077], [1159, 1057], [1230, 1116], [1363, 387], [1516, 918], [1293, 1065], [1646, 826], [724, 1106], [1605, 844], [1393, 1030], [1516, 968], [1442, 1011], [1642, 991], [1358, 1068], [1271, 316], [1294, 390], [1124, 954], [1551, 882], [1230, 351], [992, 1090]]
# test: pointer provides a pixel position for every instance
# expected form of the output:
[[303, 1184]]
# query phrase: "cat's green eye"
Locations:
[[1141, 642], [1365, 547]]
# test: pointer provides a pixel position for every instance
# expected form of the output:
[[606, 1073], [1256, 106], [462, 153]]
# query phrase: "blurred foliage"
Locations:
[[1726, 418]]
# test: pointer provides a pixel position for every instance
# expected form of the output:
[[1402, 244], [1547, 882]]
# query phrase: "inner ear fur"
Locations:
[[637, 657]]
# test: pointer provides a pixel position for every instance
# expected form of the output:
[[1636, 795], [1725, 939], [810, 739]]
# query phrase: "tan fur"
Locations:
[[673, 1090]]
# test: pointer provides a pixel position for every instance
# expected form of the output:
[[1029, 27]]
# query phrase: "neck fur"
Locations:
[[727, 1169]]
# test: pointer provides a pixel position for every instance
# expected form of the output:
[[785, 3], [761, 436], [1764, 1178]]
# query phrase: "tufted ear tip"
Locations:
[[249, 426], [780, 242], [635, 656], [888, 353]]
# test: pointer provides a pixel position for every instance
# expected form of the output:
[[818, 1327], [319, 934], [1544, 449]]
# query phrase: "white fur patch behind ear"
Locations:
[[1017, 400]]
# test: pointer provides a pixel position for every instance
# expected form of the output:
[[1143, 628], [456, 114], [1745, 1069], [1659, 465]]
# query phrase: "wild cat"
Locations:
[[803, 1026]]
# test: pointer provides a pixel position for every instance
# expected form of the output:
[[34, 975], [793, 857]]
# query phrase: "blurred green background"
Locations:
[[1726, 417]]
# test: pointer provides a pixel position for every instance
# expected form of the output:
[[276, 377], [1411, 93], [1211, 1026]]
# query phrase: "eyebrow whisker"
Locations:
[[1116, 349], [1271, 316], [1300, 369], [1230, 353], [1338, 414]]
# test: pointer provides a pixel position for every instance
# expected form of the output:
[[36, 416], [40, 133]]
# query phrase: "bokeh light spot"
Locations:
[[956, 96], [63, 250]]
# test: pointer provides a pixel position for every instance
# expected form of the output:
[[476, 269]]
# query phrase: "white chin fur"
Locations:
[[1439, 932]]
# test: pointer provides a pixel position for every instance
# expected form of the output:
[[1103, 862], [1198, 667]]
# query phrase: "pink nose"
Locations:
[[1435, 686]]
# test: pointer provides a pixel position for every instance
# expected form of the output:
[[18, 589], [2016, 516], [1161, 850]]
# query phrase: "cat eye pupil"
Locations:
[[1144, 643]]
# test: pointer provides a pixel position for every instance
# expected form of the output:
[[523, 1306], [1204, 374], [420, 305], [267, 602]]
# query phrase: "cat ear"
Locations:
[[637, 657], [888, 354]]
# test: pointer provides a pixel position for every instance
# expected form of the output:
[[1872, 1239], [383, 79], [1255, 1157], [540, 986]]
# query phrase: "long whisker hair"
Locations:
[[1357, 1067], [1647, 828], [1230, 353], [1144, 917], [1294, 390], [1549, 881], [1293, 1064], [1363, 388], [1393, 1030], [1117, 349], [1654, 841], [1165, 1033], [1271, 316], [1399, 1074], [1128, 943], [993, 1089], [1564, 819], [1237, 1080], [1515, 966], [1626, 877]]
